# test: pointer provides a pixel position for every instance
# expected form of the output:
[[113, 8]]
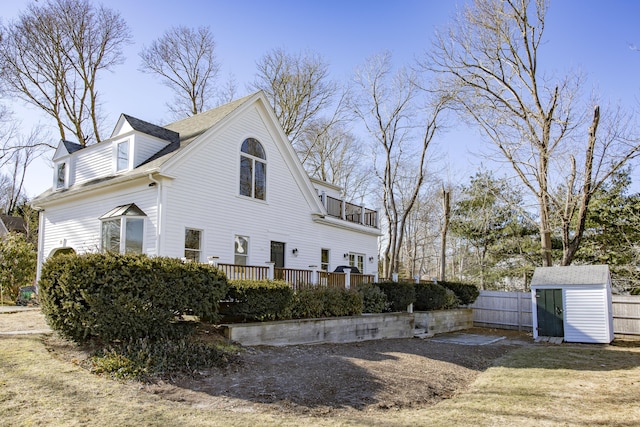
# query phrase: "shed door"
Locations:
[[549, 309]]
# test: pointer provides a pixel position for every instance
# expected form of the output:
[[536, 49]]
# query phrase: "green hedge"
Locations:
[[430, 296], [112, 297], [467, 294], [258, 300], [373, 299], [313, 303], [399, 294]]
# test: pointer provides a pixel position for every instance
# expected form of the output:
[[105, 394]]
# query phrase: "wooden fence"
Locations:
[[512, 310]]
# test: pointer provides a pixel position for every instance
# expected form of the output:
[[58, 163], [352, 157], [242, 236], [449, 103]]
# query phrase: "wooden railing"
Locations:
[[298, 279]]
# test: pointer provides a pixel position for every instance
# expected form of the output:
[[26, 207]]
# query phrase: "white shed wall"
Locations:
[[587, 318]]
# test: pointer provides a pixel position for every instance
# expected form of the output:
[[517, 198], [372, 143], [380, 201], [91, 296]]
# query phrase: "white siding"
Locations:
[[145, 146], [77, 225], [205, 196], [92, 162], [586, 317]]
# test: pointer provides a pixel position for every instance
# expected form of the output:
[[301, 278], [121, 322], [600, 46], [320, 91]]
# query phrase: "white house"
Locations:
[[225, 183]]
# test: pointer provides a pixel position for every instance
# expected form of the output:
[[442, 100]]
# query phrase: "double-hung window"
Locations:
[[253, 170], [122, 229], [60, 178], [192, 244], [241, 250], [122, 156]]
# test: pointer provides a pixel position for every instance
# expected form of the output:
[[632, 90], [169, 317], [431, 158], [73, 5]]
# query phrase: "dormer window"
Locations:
[[60, 178], [122, 156]]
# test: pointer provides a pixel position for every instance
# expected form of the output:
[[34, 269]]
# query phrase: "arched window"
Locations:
[[253, 170]]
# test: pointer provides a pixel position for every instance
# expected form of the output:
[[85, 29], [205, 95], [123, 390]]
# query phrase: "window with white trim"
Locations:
[[241, 250], [122, 156], [324, 259], [60, 178], [192, 244], [122, 230], [357, 260], [253, 170]]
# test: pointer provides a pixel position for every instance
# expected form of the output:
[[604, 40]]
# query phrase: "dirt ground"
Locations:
[[321, 379]]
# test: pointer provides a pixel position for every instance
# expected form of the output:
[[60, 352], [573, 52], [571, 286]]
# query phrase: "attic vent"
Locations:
[[125, 210]]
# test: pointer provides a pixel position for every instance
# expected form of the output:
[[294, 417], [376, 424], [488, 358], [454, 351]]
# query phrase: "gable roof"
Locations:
[[571, 275], [151, 129]]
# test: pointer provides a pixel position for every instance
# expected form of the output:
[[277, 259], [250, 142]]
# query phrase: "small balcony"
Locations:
[[350, 212]]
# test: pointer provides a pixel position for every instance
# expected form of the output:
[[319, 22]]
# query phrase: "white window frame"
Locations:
[[237, 246], [324, 266], [357, 260], [126, 143], [57, 184], [253, 161], [198, 251], [123, 233]]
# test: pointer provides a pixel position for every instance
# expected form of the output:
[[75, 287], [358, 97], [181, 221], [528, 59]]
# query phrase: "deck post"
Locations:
[[213, 261], [343, 209], [271, 272], [362, 212], [394, 277], [315, 278], [347, 278]]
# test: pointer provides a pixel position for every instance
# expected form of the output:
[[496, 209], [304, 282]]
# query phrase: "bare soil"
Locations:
[[320, 380]]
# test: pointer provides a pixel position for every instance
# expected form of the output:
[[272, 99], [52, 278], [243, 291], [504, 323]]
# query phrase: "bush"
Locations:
[[113, 297], [430, 296], [399, 294], [144, 359], [312, 303], [467, 294], [17, 264], [258, 300], [373, 299]]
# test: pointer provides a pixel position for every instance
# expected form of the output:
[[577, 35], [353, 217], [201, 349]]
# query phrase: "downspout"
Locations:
[[40, 253], [158, 184]]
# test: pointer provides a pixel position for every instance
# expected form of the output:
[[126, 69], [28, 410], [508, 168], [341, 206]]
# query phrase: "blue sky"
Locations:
[[592, 36]]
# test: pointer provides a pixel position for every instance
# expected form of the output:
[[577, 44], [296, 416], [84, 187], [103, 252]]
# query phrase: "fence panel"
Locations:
[[244, 272], [505, 310], [512, 310], [626, 314]]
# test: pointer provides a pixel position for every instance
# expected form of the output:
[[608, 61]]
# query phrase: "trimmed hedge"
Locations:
[[112, 297], [430, 296], [399, 294], [467, 294], [373, 299], [258, 300], [313, 303]]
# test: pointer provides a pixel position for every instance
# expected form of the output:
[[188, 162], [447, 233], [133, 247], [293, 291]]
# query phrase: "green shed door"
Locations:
[[549, 309]]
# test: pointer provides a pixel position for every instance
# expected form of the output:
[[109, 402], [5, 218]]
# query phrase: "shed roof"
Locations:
[[573, 275]]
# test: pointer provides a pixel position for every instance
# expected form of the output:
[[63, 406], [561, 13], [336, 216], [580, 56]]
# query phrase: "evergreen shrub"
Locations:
[[258, 300], [399, 294], [112, 297]]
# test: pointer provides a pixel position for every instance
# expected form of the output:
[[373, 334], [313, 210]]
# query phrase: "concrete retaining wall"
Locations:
[[348, 329], [441, 321], [314, 331]]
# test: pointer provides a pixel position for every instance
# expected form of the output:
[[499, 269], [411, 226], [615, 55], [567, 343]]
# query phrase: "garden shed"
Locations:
[[573, 303]]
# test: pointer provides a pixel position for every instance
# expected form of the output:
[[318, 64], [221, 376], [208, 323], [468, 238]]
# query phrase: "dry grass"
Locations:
[[569, 385]]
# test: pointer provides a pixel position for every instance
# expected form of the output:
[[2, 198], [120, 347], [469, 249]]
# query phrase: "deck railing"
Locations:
[[297, 278], [349, 212]]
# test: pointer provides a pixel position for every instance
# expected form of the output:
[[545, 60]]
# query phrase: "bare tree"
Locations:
[[386, 103], [52, 56], [331, 153], [184, 58], [490, 58], [298, 88]]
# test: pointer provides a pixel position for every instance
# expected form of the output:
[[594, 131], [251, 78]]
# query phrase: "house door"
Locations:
[[549, 310], [277, 254]]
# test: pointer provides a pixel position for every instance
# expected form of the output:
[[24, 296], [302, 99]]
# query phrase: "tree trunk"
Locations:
[[446, 207]]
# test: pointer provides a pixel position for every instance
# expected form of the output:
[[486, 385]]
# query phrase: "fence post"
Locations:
[[375, 277], [416, 279], [394, 277], [347, 278], [271, 272]]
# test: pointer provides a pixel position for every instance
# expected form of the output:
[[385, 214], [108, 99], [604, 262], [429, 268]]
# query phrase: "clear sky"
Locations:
[[591, 35]]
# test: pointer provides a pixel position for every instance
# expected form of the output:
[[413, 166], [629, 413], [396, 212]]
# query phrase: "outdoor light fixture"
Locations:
[[346, 255], [370, 259], [295, 251]]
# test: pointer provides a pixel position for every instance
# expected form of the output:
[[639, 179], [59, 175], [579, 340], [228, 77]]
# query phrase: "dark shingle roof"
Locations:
[[151, 129], [72, 147], [14, 223]]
